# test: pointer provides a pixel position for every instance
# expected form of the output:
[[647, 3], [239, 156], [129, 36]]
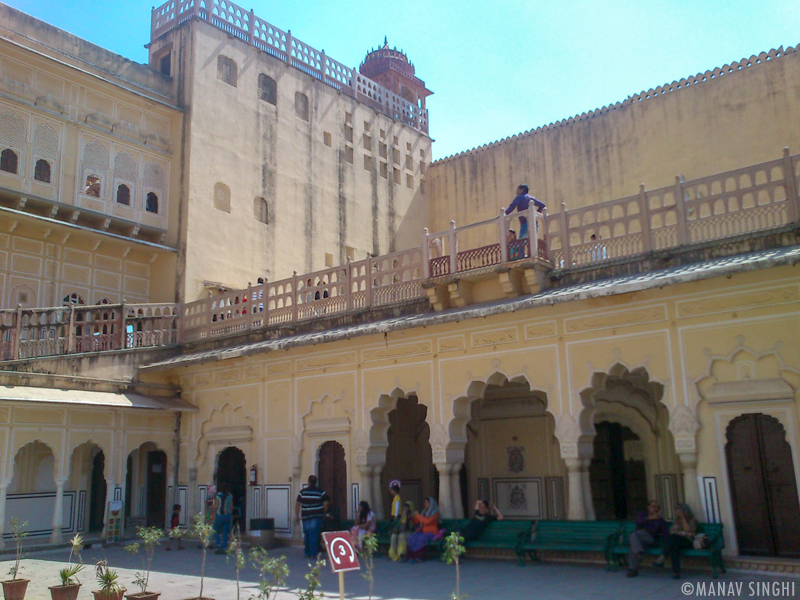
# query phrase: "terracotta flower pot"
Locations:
[[143, 596], [101, 595], [65, 592], [15, 589]]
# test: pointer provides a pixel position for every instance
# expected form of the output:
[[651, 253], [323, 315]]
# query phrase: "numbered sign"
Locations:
[[341, 553]]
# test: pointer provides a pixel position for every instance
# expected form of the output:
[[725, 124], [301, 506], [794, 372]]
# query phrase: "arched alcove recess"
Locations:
[[89, 464], [230, 474], [371, 446], [146, 485], [502, 432], [635, 457]]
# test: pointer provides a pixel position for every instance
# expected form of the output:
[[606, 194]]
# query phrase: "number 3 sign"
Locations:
[[341, 553]]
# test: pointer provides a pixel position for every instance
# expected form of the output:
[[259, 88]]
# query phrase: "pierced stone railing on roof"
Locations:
[[756, 199], [257, 32]]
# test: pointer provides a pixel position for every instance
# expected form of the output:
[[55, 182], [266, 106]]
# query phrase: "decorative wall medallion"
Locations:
[[396, 351], [516, 459], [449, 344], [516, 498], [322, 362], [728, 302], [280, 368], [539, 330], [496, 336], [617, 319]]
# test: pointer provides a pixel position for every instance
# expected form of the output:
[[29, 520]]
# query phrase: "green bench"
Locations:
[[505, 534], [620, 547], [572, 536]]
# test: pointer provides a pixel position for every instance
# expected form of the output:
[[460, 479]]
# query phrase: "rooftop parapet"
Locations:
[[255, 31]]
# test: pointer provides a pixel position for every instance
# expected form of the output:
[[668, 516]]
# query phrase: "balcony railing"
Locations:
[[753, 199], [253, 30]]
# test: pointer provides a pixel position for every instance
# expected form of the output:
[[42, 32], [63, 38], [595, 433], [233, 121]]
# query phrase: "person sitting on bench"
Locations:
[[650, 528], [485, 513]]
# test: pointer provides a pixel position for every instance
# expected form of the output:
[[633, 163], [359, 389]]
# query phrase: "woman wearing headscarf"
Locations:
[[365, 523], [427, 523], [681, 537]]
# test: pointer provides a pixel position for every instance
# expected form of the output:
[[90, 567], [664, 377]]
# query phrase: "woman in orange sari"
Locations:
[[427, 528]]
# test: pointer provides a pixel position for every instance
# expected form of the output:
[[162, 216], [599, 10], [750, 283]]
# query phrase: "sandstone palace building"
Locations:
[[239, 263]]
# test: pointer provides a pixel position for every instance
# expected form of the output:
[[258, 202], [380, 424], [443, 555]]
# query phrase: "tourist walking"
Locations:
[[310, 508]]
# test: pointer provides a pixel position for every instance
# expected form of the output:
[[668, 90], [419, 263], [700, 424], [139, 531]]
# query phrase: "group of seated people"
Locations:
[[412, 531]]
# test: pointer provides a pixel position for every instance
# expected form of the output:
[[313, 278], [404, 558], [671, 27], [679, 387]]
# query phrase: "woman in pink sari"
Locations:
[[366, 522]]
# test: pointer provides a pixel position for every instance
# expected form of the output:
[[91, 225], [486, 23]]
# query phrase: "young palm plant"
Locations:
[[70, 584], [108, 580]]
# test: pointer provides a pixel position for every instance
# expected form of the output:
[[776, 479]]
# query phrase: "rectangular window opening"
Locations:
[[367, 163], [396, 173], [367, 143], [384, 170], [328, 260], [348, 154], [410, 181], [382, 148], [326, 138]]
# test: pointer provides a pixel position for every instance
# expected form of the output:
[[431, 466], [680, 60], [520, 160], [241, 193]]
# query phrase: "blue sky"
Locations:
[[499, 68]]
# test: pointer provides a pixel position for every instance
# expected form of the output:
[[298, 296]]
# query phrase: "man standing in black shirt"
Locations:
[[310, 507]]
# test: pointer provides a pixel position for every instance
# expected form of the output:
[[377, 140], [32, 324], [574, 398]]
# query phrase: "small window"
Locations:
[[408, 146], [422, 154], [409, 162], [92, 186], [328, 260], [9, 161], [367, 163], [348, 154], [227, 70], [384, 170], [396, 174], [396, 156], [383, 133], [124, 195], [410, 181], [367, 143], [348, 134], [301, 105], [421, 186], [267, 89], [421, 168], [165, 64], [261, 211], [366, 126], [222, 197], [348, 118], [383, 150], [73, 298], [350, 252], [151, 203], [41, 171], [326, 137], [395, 141]]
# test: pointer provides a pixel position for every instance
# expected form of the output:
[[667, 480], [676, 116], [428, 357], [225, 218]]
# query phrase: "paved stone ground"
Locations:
[[176, 575]]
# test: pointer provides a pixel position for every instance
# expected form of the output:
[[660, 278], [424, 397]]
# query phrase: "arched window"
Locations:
[[124, 195], [92, 186], [73, 298], [9, 161], [151, 203], [226, 70], [222, 197], [267, 89], [261, 210], [41, 171], [301, 105]]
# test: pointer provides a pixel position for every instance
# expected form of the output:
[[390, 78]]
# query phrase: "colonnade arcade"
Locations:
[[63, 492]]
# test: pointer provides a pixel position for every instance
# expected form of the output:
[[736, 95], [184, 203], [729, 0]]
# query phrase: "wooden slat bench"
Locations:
[[620, 547], [505, 535], [572, 536]]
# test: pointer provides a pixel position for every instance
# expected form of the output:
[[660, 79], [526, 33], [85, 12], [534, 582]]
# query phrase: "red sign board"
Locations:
[[341, 553]]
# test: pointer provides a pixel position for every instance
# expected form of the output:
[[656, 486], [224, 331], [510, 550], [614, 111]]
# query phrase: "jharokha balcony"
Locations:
[[732, 213]]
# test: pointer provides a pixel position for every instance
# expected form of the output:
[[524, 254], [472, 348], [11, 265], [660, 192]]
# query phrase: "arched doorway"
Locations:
[[617, 474], [231, 474], [409, 457], [332, 474], [156, 489], [97, 493], [146, 486], [763, 487], [87, 478]]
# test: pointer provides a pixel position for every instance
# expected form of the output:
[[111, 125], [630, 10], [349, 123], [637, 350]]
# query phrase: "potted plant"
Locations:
[[70, 584], [108, 580], [14, 589], [203, 531], [151, 537]]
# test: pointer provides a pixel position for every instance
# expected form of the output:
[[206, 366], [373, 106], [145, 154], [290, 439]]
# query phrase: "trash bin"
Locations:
[[262, 533]]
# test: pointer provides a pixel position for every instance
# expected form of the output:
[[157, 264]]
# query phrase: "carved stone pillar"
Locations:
[[58, 512], [365, 489], [588, 503], [109, 497], [683, 424], [455, 491], [3, 488], [377, 493], [576, 508], [445, 490]]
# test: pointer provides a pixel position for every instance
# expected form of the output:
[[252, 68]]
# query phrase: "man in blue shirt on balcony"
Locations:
[[521, 203]]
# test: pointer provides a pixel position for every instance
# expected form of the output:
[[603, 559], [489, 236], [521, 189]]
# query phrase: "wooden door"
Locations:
[[332, 474], [97, 494], [156, 489], [763, 487]]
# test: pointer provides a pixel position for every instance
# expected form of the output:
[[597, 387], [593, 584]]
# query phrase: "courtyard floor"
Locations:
[[176, 575]]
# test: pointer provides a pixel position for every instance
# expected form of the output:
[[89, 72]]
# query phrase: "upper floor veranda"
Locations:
[[691, 222]]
